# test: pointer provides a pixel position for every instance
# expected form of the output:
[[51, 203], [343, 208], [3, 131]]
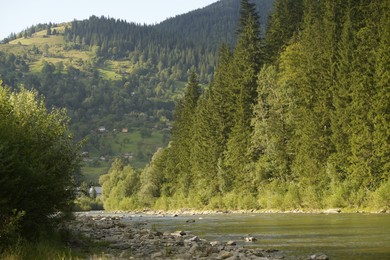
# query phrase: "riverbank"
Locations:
[[117, 239], [190, 212], [171, 235]]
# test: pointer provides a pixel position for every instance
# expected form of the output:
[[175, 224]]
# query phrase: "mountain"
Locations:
[[118, 76]]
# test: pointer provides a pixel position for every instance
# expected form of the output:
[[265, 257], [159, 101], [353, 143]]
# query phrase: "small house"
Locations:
[[95, 191]]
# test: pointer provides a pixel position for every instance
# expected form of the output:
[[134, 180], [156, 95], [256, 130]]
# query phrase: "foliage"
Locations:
[[87, 203], [108, 72], [120, 183], [298, 120], [38, 162], [48, 248]]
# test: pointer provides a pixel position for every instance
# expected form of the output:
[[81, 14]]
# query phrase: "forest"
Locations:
[[294, 115], [297, 118], [288, 112], [112, 73]]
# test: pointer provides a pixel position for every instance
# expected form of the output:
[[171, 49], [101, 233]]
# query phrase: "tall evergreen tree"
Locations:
[[246, 64], [182, 135], [284, 21], [272, 131]]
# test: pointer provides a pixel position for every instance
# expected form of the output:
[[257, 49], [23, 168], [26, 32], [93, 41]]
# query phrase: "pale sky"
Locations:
[[17, 15]]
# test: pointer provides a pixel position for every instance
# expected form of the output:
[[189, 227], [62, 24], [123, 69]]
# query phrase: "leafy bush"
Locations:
[[86, 203], [381, 196], [38, 161]]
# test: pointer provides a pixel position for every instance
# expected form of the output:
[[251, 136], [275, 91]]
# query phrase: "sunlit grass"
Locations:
[[47, 249], [40, 40]]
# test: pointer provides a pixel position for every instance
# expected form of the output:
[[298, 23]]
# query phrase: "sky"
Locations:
[[17, 15]]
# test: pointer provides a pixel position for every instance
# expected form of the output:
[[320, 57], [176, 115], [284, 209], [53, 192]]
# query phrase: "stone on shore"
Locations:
[[318, 257], [332, 211], [132, 239]]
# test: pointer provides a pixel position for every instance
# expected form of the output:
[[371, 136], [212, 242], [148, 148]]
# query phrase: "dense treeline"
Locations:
[[299, 119], [171, 47]]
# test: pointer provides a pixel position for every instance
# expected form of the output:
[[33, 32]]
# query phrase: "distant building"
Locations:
[[95, 189], [102, 129]]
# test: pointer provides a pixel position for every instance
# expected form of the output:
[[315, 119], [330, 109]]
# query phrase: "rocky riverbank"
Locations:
[[117, 239]]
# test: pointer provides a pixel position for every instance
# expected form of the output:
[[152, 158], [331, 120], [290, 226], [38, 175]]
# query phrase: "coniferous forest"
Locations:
[[286, 104], [294, 118]]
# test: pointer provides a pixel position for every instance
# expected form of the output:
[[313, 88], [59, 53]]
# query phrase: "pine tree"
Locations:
[[207, 149], [381, 99], [245, 67], [182, 135], [272, 132], [368, 126], [341, 99], [283, 23]]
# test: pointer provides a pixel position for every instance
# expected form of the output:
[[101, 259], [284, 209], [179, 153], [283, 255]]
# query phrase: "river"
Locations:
[[297, 236]]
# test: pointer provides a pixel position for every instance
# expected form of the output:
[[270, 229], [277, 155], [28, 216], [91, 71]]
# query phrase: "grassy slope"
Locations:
[[52, 49]]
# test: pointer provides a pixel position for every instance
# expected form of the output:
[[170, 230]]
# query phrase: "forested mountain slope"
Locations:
[[118, 75], [298, 120]]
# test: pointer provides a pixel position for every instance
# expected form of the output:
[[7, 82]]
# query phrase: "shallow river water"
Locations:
[[297, 236]]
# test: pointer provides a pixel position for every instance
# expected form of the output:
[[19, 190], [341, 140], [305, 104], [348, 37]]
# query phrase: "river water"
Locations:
[[297, 236]]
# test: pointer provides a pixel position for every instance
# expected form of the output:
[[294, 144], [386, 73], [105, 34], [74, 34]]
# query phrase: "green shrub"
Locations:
[[292, 198], [86, 203], [38, 162], [381, 197]]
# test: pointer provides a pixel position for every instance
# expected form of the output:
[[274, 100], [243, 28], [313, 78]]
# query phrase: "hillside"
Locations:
[[118, 75], [297, 122]]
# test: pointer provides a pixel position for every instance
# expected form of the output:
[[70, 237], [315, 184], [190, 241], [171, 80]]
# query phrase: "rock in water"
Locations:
[[250, 239], [231, 243], [318, 257]]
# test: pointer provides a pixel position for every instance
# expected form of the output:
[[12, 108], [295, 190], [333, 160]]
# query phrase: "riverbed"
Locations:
[[297, 236]]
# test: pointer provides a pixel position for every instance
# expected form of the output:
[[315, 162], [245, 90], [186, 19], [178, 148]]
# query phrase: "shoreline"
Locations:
[[110, 238], [133, 235], [191, 212]]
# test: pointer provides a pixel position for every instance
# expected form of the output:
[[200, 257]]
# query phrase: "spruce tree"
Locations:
[[246, 63], [272, 131], [206, 151], [283, 23], [182, 136]]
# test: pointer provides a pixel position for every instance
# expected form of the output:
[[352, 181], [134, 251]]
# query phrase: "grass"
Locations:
[[92, 174], [44, 249], [52, 50], [40, 40]]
